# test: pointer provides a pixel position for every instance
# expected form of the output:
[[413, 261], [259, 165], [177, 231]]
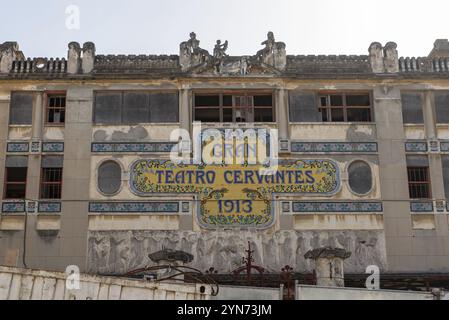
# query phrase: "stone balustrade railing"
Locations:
[[39, 65], [423, 64]]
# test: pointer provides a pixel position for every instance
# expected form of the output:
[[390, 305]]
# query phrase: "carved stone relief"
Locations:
[[117, 252]]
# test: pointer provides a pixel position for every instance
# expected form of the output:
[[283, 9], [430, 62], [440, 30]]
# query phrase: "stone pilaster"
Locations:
[[282, 112], [393, 174], [185, 108]]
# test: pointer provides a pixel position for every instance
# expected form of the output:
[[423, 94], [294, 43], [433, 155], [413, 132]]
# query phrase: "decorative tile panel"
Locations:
[[35, 146], [416, 146], [134, 207], [285, 206], [53, 147], [13, 207], [18, 147], [132, 147], [421, 206], [49, 207], [186, 207], [300, 206], [313, 147]]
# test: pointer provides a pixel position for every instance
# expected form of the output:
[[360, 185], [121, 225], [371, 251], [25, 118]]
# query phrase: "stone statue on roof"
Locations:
[[273, 54], [191, 54]]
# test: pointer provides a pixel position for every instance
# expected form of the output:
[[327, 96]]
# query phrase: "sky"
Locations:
[[158, 26]]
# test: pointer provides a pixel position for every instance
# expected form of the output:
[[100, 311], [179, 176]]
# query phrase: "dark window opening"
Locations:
[[116, 107], [442, 107], [412, 108], [55, 109], [51, 183], [360, 177], [233, 108], [346, 108], [15, 182], [419, 182], [21, 110]]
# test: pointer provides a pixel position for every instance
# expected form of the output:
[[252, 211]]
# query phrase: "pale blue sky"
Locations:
[[157, 27]]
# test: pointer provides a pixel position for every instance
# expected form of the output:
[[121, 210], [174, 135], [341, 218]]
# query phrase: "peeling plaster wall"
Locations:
[[117, 252], [333, 132], [138, 133]]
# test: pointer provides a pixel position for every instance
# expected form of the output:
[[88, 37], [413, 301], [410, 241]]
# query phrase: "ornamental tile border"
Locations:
[[134, 207], [121, 147], [316, 147], [52, 146], [18, 147], [421, 206], [49, 207], [416, 146], [303, 206], [13, 207]]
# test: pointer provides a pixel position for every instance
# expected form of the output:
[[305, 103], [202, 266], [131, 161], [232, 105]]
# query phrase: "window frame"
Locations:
[[33, 106], [427, 182], [42, 183], [344, 107], [51, 94], [122, 99], [421, 94], [6, 183], [97, 177], [234, 94]]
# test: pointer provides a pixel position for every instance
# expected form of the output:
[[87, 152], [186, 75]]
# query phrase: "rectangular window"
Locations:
[[51, 177], [116, 107], [412, 111], [15, 177], [21, 110], [418, 177], [418, 182], [442, 106], [233, 108], [303, 107], [55, 109], [345, 107]]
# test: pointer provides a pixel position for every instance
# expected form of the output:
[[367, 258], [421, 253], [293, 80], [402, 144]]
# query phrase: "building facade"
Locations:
[[363, 144]]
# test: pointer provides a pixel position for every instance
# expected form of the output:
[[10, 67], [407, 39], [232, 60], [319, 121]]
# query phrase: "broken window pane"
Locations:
[[263, 115], [207, 100], [358, 114], [263, 101], [337, 115], [207, 115], [359, 100], [336, 100]]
